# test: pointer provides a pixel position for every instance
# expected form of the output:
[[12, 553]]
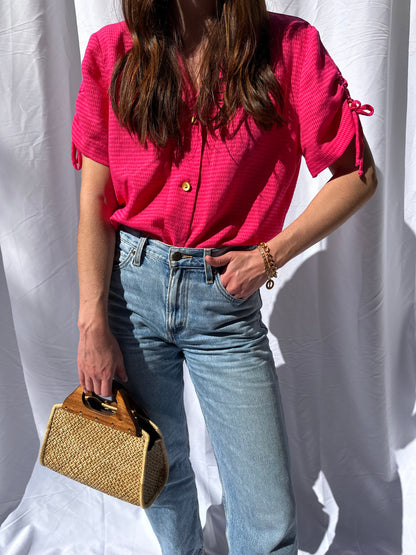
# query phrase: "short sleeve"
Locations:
[[90, 124], [328, 117]]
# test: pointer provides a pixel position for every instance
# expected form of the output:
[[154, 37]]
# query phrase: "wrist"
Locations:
[[92, 319], [269, 264], [280, 248]]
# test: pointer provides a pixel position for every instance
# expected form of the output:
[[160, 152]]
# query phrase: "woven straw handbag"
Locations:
[[110, 446]]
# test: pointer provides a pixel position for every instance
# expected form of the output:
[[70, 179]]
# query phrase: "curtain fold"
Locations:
[[39, 77], [341, 318]]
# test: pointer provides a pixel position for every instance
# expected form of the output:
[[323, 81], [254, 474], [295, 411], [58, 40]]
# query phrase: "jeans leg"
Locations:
[[167, 307], [234, 375], [155, 371]]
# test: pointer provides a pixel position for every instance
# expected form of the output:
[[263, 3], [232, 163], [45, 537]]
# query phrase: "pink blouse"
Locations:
[[221, 192]]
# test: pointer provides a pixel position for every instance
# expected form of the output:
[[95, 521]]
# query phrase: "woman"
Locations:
[[191, 122]]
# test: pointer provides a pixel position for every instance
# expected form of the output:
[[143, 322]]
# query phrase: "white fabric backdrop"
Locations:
[[342, 318]]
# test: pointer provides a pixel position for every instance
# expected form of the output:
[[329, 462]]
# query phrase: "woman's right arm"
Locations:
[[99, 355]]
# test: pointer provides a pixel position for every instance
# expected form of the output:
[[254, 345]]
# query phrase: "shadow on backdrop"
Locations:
[[346, 409]]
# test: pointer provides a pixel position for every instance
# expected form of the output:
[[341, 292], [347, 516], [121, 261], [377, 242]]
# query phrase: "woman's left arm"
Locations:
[[339, 199]]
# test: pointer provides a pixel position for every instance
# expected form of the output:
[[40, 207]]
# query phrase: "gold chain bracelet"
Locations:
[[269, 264]]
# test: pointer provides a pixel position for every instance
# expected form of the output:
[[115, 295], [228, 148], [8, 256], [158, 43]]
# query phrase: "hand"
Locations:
[[244, 271], [99, 359]]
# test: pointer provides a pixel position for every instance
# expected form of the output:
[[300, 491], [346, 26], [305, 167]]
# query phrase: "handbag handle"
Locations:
[[119, 413]]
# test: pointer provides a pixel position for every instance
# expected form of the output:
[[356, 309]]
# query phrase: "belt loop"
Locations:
[[208, 269], [139, 249]]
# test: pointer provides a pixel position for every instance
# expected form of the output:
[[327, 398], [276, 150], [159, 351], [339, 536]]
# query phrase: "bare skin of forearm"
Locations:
[[99, 356], [96, 240], [339, 199]]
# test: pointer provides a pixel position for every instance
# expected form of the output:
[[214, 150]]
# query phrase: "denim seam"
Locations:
[[185, 276], [168, 311]]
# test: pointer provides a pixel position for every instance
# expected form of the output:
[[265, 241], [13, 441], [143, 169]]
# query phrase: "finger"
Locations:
[[106, 388], [226, 284], [121, 373], [96, 386], [224, 281], [81, 379], [88, 384], [218, 261], [83, 385]]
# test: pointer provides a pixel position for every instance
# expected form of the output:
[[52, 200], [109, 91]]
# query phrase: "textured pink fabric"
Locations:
[[240, 188]]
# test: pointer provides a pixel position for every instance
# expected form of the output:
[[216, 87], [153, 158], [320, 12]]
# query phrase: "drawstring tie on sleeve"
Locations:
[[357, 109], [76, 157], [363, 110]]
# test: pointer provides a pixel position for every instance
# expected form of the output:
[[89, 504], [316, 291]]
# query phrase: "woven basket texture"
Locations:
[[104, 458], [156, 473]]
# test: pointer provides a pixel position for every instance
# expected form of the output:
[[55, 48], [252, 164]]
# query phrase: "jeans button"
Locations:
[[176, 256]]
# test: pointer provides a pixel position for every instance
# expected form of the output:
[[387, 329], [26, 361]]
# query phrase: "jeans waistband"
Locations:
[[184, 257]]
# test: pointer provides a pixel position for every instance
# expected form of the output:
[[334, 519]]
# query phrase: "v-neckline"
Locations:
[[190, 89]]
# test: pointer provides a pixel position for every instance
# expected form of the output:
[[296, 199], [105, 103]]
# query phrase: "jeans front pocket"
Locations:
[[224, 292]]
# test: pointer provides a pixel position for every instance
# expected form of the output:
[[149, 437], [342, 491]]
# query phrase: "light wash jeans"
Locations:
[[166, 305]]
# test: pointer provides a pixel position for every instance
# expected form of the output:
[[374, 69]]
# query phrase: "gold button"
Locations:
[[194, 120], [186, 186]]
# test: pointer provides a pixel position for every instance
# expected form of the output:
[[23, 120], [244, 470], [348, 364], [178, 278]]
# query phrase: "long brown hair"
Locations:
[[146, 86]]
